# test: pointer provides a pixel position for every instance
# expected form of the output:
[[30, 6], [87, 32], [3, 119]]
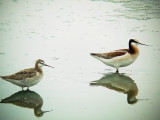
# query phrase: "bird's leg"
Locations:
[[27, 88], [22, 89], [117, 71]]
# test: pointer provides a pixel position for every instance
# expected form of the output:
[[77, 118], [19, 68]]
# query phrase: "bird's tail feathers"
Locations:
[[94, 54]]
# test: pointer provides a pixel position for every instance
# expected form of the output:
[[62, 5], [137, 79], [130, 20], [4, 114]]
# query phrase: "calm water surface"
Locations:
[[63, 33]]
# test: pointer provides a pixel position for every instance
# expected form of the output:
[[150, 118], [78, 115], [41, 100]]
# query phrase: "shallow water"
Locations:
[[63, 33]]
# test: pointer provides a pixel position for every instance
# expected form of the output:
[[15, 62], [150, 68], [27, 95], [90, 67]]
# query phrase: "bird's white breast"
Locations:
[[34, 80], [119, 61]]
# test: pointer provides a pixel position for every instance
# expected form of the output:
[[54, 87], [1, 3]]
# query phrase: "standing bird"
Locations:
[[120, 58], [27, 77]]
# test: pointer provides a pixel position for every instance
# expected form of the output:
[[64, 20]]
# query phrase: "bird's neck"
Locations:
[[38, 68], [133, 49], [37, 111]]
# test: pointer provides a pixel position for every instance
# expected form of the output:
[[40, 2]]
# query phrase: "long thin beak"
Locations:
[[47, 111], [142, 44], [141, 99], [48, 65]]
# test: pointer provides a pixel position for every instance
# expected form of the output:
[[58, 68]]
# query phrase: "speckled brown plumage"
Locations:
[[27, 73], [27, 77]]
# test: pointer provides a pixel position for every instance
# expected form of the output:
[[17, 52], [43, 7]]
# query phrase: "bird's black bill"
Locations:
[[143, 44]]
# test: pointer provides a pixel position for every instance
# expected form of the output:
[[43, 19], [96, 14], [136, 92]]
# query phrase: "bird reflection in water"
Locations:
[[27, 99], [120, 83]]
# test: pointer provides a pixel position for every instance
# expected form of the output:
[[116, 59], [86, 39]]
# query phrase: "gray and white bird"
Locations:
[[120, 58], [27, 77]]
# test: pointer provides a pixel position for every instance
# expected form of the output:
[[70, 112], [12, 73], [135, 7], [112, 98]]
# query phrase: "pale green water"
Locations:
[[63, 33]]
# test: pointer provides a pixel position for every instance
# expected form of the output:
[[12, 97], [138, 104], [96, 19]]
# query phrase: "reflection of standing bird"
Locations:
[[27, 77], [120, 58], [27, 99], [119, 83]]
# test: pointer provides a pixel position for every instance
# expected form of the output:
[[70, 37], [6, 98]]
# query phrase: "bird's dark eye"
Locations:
[[134, 41]]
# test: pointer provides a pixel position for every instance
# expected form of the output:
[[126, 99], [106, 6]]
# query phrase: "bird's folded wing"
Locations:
[[27, 73], [113, 54]]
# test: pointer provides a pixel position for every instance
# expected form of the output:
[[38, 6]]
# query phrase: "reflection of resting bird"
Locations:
[[120, 58], [120, 83], [27, 99], [27, 77]]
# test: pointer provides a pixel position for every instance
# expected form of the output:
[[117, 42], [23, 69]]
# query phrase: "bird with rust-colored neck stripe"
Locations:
[[27, 77], [120, 58]]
